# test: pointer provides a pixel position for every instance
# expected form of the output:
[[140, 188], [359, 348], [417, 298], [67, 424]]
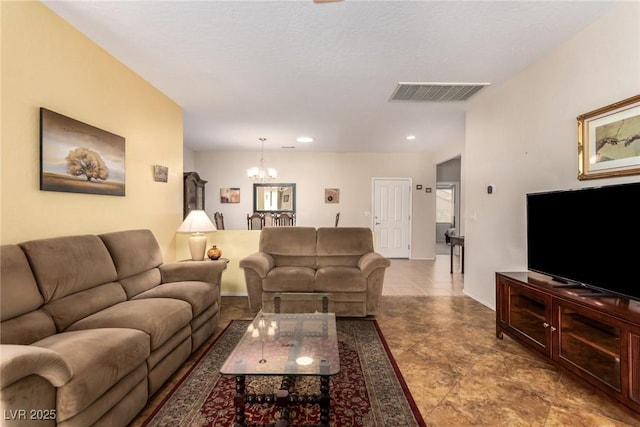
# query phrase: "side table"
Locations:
[[457, 240]]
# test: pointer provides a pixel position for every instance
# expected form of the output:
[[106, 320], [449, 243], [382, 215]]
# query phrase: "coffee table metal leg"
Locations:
[[325, 402], [239, 401]]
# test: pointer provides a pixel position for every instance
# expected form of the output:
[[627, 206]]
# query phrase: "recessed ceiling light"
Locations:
[[411, 137], [305, 139]]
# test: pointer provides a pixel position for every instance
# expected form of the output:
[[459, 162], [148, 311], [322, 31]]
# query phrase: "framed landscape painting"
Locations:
[[609, 140], [79, 158]]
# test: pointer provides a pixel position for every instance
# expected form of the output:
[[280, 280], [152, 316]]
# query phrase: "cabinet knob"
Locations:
[[545, 324], [553, 329]]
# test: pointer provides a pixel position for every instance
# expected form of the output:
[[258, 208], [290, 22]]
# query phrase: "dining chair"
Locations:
[[255, 221], [269, 220], [218, 218], [285, 219]]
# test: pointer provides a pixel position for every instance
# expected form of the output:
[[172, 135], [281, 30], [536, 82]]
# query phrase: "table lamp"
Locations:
[[197, 223]]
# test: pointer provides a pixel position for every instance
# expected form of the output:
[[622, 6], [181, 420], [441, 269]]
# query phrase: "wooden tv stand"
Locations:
[[596, 337]]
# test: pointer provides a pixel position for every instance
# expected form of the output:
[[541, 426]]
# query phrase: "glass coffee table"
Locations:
[[290, 345]]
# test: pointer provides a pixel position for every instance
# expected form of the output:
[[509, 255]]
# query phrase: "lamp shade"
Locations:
[[196, 222]]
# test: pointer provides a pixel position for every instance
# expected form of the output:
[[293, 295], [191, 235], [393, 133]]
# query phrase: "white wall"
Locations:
[[352, 173], [522, 137]]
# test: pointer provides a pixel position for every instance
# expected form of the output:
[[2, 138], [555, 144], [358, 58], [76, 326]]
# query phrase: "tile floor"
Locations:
[[457, 371]]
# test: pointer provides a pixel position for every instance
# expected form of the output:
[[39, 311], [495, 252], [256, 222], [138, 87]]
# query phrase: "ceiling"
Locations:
[[242, 70]]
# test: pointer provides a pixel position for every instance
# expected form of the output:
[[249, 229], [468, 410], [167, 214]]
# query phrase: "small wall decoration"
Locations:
[[332, 195], [160, 173], [609, 140], [229, 195], [78, 158]]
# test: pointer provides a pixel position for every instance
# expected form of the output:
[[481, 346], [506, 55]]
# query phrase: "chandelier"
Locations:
[[262, 173]]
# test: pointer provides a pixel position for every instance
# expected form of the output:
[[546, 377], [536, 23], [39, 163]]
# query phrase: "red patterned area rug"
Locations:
[[369, 391]]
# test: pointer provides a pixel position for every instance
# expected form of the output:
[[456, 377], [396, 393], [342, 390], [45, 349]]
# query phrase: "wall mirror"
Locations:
[[274, 197]]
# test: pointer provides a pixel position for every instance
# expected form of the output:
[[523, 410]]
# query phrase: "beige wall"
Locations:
[[522, 137], [352, 173], [47, 63]]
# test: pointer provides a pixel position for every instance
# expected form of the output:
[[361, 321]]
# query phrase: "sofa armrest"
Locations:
[[371, 261], [260, 262], [202, 271], [20, 361]]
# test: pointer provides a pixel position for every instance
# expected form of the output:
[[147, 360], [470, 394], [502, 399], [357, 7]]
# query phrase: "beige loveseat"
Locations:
[[93, 325], [339, 261]]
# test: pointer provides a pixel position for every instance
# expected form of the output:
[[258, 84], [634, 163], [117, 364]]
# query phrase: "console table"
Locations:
[[457, 240], [594, 336]]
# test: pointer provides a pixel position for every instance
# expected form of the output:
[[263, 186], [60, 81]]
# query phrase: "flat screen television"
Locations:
[[588, 237]]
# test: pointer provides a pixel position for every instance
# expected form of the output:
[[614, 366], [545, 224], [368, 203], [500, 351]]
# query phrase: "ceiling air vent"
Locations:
[[436, 92]]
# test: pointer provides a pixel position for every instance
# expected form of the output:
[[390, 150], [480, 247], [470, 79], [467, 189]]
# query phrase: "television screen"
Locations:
[[590, 236]]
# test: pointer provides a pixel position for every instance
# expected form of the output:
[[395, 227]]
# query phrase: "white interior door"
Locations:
[[392, 216]]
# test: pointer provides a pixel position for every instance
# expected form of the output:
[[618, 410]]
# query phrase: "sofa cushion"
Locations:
[[199, 295], [133, 251], [19, 291], [27, 328], [340, 279], [289, 246], [99, 358], [160, 318], [290, 279], [20, 300], [68, 310], [343, 246], [65, 265], [138, 283]]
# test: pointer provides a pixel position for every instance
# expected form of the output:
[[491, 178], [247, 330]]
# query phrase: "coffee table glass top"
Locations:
[[286, 344]]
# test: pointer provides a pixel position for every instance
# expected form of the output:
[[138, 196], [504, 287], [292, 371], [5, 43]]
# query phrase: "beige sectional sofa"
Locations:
[[93, 325], [339, 261]]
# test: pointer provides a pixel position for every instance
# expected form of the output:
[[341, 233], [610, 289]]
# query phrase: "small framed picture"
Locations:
[[160, 173], [332, 195], [229, 195]]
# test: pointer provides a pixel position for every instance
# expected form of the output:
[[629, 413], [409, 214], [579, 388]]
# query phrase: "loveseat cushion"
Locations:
[[290, 279], [289, 246], [340, 279], [343, 246], [98, 358], [160, 318]]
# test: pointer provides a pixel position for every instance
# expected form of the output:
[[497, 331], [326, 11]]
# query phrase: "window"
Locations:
[[445, 204]]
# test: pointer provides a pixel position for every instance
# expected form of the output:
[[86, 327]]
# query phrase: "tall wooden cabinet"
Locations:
[[595, 336], [193, 195]]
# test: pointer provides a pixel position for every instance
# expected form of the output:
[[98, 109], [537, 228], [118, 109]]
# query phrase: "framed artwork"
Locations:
[[609, 140], [79, 158], [332, 195], [160, 173], [229, 195]]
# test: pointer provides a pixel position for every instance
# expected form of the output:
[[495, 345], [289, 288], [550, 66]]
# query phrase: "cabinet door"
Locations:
[[634, 368], [589, 344], [525, 314]]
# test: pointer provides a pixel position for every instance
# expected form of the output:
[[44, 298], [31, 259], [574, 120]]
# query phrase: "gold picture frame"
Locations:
[[609, 140]]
